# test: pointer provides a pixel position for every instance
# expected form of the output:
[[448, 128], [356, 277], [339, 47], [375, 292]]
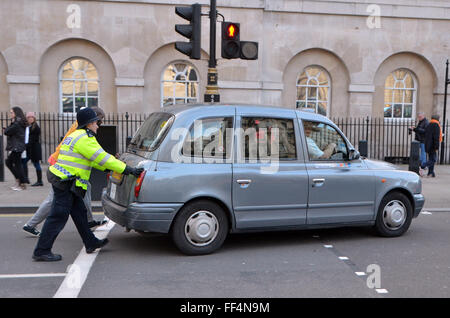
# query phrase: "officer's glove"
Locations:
[[134, 171]]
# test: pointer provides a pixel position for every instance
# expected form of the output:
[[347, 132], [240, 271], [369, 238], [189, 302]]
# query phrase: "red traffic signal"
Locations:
[[230, 40], [232, 31]]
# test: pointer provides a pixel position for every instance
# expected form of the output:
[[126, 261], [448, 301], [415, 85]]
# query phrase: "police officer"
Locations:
[[69, 176]]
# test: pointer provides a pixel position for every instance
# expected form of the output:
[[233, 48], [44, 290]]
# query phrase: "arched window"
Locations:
[[313, 90], [78, 82], [400, 94], [179, 84]]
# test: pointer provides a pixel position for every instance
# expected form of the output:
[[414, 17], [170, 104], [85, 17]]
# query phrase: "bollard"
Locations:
[[363, 148], [414, 157], [2, 160]]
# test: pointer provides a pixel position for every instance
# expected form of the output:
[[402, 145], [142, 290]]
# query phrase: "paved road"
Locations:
[[295, 264]]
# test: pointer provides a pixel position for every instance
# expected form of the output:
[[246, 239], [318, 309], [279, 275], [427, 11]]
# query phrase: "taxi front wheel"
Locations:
[[200, 228], [394, 215]]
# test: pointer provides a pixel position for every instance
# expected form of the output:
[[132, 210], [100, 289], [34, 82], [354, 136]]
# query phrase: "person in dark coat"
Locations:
[[34, 151], [15, 144], [433, 137], [420, 135]]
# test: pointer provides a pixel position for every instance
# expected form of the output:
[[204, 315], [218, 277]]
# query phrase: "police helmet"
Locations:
[[86, 116]]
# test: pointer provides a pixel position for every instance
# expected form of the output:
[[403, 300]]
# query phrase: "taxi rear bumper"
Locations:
[[146, 217]]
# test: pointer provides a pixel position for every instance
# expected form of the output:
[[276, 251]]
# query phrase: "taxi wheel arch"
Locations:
[[394, 214], [200, 227]]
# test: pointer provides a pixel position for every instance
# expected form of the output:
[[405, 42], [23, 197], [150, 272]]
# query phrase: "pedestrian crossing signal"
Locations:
[[230, 40], [233, 47]]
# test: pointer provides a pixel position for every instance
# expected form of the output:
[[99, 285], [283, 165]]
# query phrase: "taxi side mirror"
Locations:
[[353, 154]]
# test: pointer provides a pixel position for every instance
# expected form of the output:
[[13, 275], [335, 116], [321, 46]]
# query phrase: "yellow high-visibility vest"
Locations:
[[80, 152]]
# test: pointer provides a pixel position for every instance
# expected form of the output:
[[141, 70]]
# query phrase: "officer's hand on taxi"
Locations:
[[134, 171]]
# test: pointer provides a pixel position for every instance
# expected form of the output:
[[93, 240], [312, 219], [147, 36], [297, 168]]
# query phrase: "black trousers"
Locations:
[[36, 165], [432, 159], [64, 203], [14, 164]]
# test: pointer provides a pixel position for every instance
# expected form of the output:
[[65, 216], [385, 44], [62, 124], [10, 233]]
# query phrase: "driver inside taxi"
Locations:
[[314, 151]]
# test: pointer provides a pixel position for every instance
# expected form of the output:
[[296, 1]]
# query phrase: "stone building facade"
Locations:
[[345, 58]]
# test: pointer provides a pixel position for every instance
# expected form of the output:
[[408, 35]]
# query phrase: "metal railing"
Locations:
[[54, 127], [388, 139]]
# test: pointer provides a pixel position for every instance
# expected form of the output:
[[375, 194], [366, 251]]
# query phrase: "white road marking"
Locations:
[[345, 258], [33, 275], [426, 213], [15, 215], [79, 270], [381, 291]]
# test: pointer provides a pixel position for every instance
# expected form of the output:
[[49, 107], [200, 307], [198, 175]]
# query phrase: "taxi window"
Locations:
[[324, 142], [264, 138], [209, 138]]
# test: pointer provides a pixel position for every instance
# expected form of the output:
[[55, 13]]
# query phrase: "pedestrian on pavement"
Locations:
[[79, 152], [433, 137], [15, 144], [420, 135], [44, 209], [33, 149]]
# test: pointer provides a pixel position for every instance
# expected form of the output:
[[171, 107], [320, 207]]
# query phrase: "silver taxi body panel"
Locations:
[[289, 198]]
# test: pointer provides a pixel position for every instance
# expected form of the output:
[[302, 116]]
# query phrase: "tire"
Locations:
[[200, 228], [394, 215]]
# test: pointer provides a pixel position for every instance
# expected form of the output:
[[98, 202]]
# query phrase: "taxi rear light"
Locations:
[[139, 180]]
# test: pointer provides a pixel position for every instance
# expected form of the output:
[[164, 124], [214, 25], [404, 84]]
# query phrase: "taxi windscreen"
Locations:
[[152, 132]]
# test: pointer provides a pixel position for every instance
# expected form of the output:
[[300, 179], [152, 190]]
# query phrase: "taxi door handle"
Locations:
[[318, 182], [244, 183]]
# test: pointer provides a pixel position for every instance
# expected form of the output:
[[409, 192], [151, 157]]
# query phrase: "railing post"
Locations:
[[2, 161], [126, 123], [367, 128]]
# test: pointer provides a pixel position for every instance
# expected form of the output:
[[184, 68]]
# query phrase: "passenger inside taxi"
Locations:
[[314, 151]]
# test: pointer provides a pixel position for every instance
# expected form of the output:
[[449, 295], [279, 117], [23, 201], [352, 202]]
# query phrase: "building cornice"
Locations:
[[361, 88], [248, 85], [130, 82], [23, 79], [424, 9]]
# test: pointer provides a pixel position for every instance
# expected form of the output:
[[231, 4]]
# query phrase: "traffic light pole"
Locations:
[[447, 81], [212, 35], [212, 90]]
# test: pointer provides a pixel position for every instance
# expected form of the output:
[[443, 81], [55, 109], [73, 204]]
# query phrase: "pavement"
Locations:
[[27, 201], [436, 192]]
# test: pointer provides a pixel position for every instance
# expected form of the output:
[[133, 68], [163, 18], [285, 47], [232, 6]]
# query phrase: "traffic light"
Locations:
[[230, 40], [192, 31], [249, 50], [233, 47]]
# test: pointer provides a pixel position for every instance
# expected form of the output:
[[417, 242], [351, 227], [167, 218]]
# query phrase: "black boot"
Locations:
[[39, 177]]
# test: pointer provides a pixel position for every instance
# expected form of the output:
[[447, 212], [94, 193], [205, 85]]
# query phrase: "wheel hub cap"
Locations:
[[201, 228], [394, 214]]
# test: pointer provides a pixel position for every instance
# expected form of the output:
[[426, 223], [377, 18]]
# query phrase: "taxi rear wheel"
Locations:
[[394, 215], [200, 228]]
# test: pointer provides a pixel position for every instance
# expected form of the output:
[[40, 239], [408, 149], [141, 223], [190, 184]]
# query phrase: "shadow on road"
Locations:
[[161, 244]]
